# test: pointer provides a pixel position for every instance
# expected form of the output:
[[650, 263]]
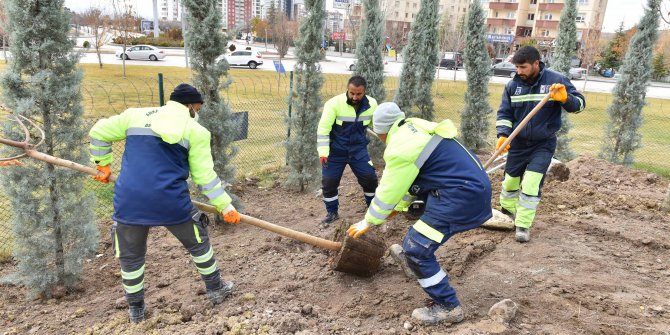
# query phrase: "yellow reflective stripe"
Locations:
[[204, 258], [132, 275], [528, 97], [469, 154], [581, 104], [208, 270], [134, 288], [197, 233], [504, 123], [116, 245], [428, 231]]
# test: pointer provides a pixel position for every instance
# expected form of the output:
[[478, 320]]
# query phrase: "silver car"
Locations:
[[141, 52]]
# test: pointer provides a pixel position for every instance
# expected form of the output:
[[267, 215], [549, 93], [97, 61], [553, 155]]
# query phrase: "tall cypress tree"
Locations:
[[303, 163], [419, 60], [205, 44], [566, 43], [475, 115], [621, 135], [370, 63], [53, 222]]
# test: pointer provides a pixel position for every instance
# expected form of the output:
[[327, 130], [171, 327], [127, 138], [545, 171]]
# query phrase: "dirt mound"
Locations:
[[598, 263]]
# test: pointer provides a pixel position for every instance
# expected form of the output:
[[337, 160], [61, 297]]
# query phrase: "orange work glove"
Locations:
[[230, 215], [358, 229], [12, 162], [500, 142], [106, 172], [324, 161], [558, 93]]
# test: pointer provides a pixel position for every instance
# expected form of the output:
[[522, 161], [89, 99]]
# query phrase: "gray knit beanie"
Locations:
[[384, 116]]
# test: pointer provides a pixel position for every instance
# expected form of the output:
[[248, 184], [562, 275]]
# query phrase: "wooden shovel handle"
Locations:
[[518, 129], [290, 233]]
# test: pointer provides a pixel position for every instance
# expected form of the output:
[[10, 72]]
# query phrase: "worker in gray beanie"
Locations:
[[425, 161]]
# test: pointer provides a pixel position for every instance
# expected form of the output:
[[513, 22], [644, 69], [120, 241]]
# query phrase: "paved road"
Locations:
[[337, 64]]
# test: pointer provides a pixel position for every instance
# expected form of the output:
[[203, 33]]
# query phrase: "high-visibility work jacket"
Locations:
[[342, 129], [423, 156], [519, 98], [163, 145]]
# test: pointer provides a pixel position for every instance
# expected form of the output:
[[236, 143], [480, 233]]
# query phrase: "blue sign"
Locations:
[[499, 38], [279, 67]]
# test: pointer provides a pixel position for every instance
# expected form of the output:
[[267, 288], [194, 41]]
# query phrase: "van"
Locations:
[[451, 60]]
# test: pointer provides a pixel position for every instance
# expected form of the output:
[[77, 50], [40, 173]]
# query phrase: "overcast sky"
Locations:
[[628, 11]]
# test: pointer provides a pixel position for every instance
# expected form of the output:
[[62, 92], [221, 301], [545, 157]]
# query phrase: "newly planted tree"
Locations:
[[622, 137], [206, 43], [475, 115], [53, 223], [419, 61], [566, 43], [370, 64], [303, 163]]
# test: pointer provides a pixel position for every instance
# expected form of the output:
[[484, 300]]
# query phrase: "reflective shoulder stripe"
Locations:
[[427, 150], [433, 280], [504, 123], [210, 185], [428, 231], [184, 143], [140, 132], [346, 118], [323, 137], [99, 143], [382, 205]]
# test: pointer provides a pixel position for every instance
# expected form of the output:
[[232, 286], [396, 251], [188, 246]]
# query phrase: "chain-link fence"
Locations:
[[264, 96]]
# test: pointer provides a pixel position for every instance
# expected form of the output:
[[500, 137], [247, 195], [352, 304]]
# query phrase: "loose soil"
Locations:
[[598, 263]]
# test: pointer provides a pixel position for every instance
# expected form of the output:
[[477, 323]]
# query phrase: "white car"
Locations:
[[141, 52], [249, 58]]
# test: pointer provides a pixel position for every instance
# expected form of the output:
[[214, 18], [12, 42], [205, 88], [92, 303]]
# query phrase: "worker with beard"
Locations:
[[530, 152], [342, 140]]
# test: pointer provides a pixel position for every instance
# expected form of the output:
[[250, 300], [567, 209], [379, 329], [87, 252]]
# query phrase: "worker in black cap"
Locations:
[[163, 146]]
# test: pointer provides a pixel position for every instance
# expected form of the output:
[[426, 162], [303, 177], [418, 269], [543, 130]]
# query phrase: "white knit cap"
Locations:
[[384, 116]]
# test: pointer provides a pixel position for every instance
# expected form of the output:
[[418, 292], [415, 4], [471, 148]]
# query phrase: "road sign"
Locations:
[[499, 38], [341, 4], [339, 35], [279, 67]]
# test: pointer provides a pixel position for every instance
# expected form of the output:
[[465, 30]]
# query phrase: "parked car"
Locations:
[[577, 73], [506, 69], [449, 64], [249, 58], [141, 52]]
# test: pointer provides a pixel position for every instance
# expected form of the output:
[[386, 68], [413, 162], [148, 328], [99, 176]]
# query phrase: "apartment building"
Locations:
[[237, 14], [169, 10], [400, 15], [510, 22]]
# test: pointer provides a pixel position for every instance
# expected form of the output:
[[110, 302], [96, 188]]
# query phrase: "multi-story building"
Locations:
[[511, 22], [238, 13], [169, 10], [399, 16]]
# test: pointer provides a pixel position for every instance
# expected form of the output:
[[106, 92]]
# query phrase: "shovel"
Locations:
[[360, 256]]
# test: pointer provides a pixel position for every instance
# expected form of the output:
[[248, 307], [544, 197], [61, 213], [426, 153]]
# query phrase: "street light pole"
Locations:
[[266, 39]]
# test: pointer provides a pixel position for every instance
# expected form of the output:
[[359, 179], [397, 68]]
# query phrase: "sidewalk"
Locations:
[[613, 81]]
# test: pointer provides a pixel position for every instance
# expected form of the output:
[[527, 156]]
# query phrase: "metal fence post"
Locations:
[[290, 103], [161, 94]]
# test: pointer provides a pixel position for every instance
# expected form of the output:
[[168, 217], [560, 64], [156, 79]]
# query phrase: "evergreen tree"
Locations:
[[621, 136], [612, 56], [419, 60], [206, 43], [370, 64], [659, 69], [566, 43], [475, 115], [54, 226], [303, 163]]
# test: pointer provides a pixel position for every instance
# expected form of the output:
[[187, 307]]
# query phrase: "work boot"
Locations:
[[522, 234], [217, 296], [136, 313], [437, 313], [398, 254], [330, 218]]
